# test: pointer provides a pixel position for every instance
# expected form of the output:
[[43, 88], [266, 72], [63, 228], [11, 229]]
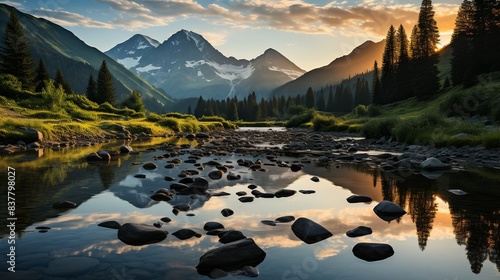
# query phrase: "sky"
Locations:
[[311, 33]]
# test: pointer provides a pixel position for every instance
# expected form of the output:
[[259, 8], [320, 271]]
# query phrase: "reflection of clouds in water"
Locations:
[[329, 248]]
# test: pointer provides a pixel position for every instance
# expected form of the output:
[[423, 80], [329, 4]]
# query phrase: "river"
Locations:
[[442, 236]]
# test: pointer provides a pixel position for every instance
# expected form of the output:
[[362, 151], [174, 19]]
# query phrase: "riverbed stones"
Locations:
[[434, 164], [315, 179], [184, 234], [230, 236], [140, 234], [269, 222], [309, 231], [231, 256], [216, 174], [307, 191], [371, 252], [295, 167], [285, 219], [246, 199], [359, 231], [124, 149], [110, 224], [358, 198], [149, 166], [64, 204], [388, 210], [233, 177], [213, 226], [226, 212], [182, 207], [284, 193]]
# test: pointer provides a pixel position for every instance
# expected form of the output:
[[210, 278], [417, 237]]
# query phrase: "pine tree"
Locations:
[[388, 66], [232, 109], [310, 98], [15, 58], [134, 101], [461, 41], [91, 91], [376, 86], [428, 37], [330, 101], [320, 100], [41, 77], [200, 107], [403, 72], [61, 82], [189, 111], [105, 87], [414, 46], [425, 80]]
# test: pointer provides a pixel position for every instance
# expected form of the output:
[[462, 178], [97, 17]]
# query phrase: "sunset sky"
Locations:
[[311, 33]]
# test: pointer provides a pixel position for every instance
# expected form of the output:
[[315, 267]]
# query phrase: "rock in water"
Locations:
[[110, 224], [126, 149], [285, 219], [359, 231], [284, 193], [184, 234], [388, 211], [139, 234], [232, 256], [213, 226], [434, 164], [358, 198], [309, 231], [149, 166], [372, 251], [457, 192], [230, 236], [226, 212]]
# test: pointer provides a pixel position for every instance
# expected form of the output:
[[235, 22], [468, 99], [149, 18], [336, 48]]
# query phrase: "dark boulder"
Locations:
[[359, 231], [231, 236], [149, 166], [372, 251], [126, 149], [245, 199], [284, 193], [231, 257], [295, 168], [226, 212], [110, 224], [184, 234], [139, 234], [388, 211], [269, 222], [213, 226], [309, 231], [285, 219], [358, 198]]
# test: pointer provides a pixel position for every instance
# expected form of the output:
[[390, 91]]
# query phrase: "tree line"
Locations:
[[16, 60], [333, 99]]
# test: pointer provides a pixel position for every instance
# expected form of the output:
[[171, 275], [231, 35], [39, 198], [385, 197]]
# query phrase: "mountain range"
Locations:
[[187, 65], [61, 49], [183, 67]]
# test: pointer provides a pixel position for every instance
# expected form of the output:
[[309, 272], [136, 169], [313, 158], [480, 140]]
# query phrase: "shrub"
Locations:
[[82, 101], [491, 140], [360, 111], [180, 115], [83, 115], [154, 117], [418, 129], [323, 123], [296, 110], [301, 119], [373, 110], [171, 123], [379, 127], [211, 119]]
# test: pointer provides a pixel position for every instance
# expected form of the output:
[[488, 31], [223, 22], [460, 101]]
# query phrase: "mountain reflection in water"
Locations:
[[443, 236]]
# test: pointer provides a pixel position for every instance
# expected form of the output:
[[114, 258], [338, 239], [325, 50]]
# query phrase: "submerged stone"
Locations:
[[140, 234], [359, 231], [110, 224], [358, 198], [372, 251], [231, 257], [388, 211], [184, 234], [309, 231]]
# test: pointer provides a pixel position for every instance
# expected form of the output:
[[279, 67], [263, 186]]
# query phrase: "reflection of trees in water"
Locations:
[[416, 194], [476, 219]]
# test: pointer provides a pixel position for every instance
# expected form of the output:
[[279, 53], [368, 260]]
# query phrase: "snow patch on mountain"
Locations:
[[147, 68], [291, 73], [232, 72], [129, 62], [191, 64]]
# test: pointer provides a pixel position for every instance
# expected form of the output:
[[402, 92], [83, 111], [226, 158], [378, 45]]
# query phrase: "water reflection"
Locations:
[[436, 218]]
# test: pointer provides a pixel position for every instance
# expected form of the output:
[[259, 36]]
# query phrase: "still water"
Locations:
[[443, 236]]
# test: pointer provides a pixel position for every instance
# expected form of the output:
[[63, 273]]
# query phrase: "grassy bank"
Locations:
[[455, 117], [79, 117]]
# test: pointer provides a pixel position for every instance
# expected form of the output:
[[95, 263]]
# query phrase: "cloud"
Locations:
[[66, 18], [368, 17]]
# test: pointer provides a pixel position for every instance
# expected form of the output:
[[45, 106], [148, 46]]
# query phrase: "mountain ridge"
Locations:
[[187, 65]]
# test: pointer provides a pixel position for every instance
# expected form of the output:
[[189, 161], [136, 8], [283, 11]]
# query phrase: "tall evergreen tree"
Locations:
[[461, 41], [310, 98], [330, 101], [105, 87], [41, 77], [428, 33], [200, 107], [15, 58], [61, 82], [388, 65], [403, 72], [376, 86], [414, 46], [91, 91], [424, 59]]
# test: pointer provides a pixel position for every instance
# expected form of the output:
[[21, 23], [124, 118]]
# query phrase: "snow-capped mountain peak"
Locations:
[[187, 65], [131, 51]]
